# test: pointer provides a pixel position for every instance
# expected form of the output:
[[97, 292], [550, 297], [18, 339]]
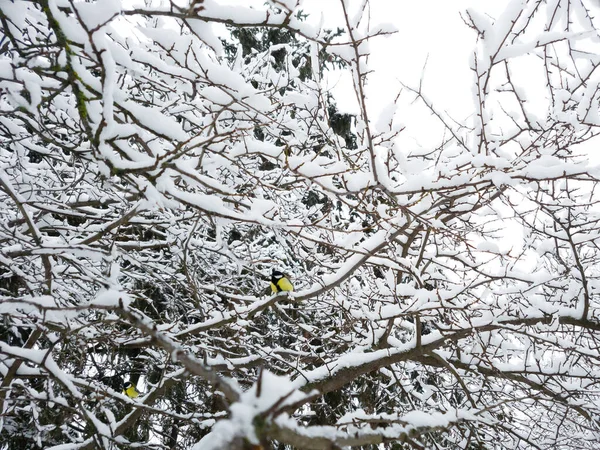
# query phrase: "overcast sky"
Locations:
[[428, 30], [425, 28]]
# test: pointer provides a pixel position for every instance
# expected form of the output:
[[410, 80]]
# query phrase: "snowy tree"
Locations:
[[158, 159]]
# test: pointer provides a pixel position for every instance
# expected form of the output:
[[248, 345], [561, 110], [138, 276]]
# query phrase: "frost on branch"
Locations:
[[158, 159]]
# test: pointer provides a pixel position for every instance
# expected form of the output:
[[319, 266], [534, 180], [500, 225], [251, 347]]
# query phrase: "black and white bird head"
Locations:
[[277, 274]]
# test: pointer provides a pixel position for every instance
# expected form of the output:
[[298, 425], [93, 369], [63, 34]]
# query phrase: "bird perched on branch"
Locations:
[[280, 282], [129, 390]]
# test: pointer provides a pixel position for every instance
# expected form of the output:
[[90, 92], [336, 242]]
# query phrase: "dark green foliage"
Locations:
[[256, 41], [341, 124]]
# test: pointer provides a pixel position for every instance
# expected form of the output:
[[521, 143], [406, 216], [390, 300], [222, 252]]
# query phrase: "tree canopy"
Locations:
[[159, 159]]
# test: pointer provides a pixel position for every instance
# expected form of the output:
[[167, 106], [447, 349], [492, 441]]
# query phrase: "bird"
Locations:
[[129, 390], [280, 282]]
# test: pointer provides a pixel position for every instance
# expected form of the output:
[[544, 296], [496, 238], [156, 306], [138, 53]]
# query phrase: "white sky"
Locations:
[[428, 30], [425, 28]]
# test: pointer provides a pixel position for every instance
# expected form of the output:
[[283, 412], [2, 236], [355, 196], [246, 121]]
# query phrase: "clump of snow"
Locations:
[[111, 298], [268, 391], [487, 246], [94, 15]]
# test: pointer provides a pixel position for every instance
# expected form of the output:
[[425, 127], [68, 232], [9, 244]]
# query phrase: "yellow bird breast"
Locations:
[[131, 392], [284, 284]]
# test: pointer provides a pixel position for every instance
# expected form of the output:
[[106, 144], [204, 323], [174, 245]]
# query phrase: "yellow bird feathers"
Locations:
[[129, 390], [280, 282]]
